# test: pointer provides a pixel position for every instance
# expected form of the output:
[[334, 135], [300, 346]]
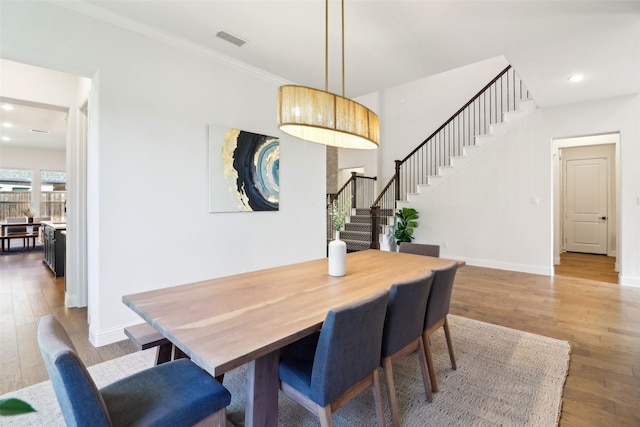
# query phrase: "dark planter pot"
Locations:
[[29, 220]]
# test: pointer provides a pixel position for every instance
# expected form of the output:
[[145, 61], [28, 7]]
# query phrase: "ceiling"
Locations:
[[28, 125], [390, 42]]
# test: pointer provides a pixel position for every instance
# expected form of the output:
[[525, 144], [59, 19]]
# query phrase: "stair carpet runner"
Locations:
[[357, 230]]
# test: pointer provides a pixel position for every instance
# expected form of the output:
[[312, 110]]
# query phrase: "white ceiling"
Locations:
[[389, 42], [32, 125]]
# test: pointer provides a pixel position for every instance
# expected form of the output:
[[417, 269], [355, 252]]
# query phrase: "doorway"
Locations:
[[42, 86], [586, 181]]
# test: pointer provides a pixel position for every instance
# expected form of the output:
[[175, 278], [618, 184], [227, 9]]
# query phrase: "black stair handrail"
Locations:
[[449, 139]]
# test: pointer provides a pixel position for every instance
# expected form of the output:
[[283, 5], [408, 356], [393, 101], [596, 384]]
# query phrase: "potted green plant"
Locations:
[[30, 214], [339, 215], [405, 223]]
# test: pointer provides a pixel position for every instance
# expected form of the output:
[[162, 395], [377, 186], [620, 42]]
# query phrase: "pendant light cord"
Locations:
[[343, 48], [326, 46]]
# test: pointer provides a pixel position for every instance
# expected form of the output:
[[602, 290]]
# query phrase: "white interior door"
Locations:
[[586, 205]]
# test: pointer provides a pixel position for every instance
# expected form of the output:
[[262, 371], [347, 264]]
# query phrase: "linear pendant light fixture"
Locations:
[[324, 117]]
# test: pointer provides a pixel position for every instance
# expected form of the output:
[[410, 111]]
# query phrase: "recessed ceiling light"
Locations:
[[6, 138], [576, 78], [7, 107], [7, 125]]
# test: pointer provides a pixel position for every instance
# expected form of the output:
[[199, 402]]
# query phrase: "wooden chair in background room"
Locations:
[[325, 370], [436, 315], [402, 334], [177, 393], [420, 249]]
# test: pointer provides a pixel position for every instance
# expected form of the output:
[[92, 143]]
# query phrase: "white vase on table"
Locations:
[[337, 257]]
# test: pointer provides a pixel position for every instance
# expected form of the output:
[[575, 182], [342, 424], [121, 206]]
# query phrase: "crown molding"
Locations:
[[166, 38]]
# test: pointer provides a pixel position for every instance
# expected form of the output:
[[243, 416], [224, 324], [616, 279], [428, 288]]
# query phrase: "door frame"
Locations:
[[558, 144]]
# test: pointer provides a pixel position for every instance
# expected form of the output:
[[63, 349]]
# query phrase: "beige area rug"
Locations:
[[504, 377]]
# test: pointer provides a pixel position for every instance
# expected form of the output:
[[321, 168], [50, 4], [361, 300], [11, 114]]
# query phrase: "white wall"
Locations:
[[496, 210], [410, 113], [149, 109], [34, 84], [32, 159]]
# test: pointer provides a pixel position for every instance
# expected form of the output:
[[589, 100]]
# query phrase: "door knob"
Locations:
[[603, 217]]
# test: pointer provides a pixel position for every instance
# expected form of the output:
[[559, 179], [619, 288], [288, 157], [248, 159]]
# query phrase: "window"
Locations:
[[15, 192], [53, 194]]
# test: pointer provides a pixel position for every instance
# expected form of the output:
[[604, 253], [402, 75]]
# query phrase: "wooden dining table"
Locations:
[[246, 318]]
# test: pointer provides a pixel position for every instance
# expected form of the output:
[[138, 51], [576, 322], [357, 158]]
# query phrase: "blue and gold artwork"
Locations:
[[243, 170]]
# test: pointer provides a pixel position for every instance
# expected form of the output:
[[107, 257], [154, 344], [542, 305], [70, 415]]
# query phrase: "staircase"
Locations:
[[509, 120], [496, 108], [357, 230]]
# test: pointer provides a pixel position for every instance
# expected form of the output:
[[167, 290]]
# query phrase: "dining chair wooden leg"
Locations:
[[447, 334], [387, 366], [428, 354], [424, 368], [325, 415], [219, 419], [222, 417], [377, 399]]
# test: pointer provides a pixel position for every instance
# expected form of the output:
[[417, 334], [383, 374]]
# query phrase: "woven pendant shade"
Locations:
[[326, 118]]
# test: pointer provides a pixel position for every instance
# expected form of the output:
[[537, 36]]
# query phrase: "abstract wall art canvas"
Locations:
[[243, 171]]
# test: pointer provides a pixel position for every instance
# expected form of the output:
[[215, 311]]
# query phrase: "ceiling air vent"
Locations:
[[230, 38]]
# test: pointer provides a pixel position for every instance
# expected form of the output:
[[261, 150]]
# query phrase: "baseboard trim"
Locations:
[[101, 338], [630, 281], [70, 300], [522, 268]]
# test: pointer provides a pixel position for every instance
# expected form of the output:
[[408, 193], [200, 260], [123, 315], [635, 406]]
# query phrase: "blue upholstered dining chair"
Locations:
[[420, 249], [436, 315], [402, 334], [173, 394], [323, 371]]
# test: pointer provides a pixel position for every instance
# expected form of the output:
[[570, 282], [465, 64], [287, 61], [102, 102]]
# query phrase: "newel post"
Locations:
[[354, 193], [375, 233], [397, 183]]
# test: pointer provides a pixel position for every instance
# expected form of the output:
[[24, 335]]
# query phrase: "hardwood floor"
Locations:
[[29, 291], [587, 266], [599, 319]]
